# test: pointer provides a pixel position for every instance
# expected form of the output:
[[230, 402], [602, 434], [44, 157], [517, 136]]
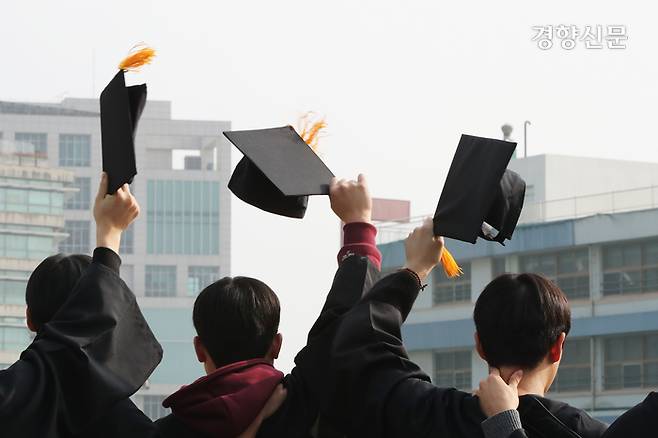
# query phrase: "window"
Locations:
[[498, 267], [78, 240], [198, 277], [30, 200], [75, 150], [631, 362], [127, 273], [182, 217], [127, 245], [153, 407], [22, 246], [529, 193], [569, 269], [630, 268], [452, 369], [80, 200], [12, 291], [160, 281], [14, 336], [449, 290], [32, 143], [575, 372]]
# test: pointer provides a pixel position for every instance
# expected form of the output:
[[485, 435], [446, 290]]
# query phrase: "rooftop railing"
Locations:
[[547, 211]]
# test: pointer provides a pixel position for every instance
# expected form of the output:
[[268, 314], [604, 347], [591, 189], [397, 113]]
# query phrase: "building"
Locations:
[[180, 243], [590, 225], [31, 227]]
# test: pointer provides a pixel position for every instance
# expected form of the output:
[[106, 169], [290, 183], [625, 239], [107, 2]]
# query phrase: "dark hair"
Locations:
[[51, 284], [519, 317], [236, 319]]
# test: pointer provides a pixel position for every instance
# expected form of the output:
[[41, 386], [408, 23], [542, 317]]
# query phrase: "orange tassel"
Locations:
[[310, 130], [140, 55], [450, 266]]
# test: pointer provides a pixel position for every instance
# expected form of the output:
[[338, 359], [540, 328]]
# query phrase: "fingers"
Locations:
[[102, 187], [516, 378]]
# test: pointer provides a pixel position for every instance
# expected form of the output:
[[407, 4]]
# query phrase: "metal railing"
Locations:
[[547, 211]]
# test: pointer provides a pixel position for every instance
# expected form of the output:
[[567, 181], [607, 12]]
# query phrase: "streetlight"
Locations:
[[525, 138]]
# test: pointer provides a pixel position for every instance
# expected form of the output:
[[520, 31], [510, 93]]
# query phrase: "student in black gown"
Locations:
[[92, 348], [500, 402], [237, 320], [381, 393]]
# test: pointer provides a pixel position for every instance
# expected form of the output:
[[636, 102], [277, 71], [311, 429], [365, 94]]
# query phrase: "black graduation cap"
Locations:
[[278, 171], [480, 196], [121, 108]]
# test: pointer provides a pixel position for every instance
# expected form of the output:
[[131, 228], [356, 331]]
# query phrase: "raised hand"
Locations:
[[350, 200], [113, 214], [423, 250]]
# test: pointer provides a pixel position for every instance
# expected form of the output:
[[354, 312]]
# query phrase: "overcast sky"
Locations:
[[398, 82]]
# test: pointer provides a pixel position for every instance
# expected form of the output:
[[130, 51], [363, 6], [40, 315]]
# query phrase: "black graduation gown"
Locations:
[[384, 394], [308, 386], [96, 351], [638, 422]]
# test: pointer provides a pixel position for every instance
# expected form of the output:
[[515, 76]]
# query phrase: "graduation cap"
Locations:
[[121, 108], [279, 169], [481, 197]]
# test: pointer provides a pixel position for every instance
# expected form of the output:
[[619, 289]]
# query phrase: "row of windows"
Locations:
[[74, 149], [160, 281], [16, 246], [627, 268], [629, 362], [182, 217], [12, 292], [14, 336], [30, 200], [153, 408]]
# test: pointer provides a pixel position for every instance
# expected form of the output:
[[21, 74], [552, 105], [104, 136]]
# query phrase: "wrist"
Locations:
[[422, 271], [108, 237]]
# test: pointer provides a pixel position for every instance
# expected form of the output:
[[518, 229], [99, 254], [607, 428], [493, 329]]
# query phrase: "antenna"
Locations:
[[525, 138]]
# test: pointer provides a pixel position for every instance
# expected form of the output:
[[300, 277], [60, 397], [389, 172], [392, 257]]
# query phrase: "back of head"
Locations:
[[51, 284], [236, 319], [519, 317]]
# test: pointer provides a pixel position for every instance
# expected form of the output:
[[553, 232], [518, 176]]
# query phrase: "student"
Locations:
[[500, 402], [521, 321], [237, 341], [92, 348]]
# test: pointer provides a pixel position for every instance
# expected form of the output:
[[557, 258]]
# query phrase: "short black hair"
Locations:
[[236, 319], [51, 284], [518, 317]]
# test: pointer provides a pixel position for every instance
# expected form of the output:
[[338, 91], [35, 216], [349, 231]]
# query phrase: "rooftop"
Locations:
[[42, 110]]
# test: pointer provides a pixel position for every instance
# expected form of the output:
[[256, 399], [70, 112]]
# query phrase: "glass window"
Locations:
[[14, 336], [153, 407], [75, 150], [198, 277], [569, 269], [449, 290], [78, 240], [630, 268], [80, 200], [12, 291], [127, 245], [160, 281], [32, 143], [498, 267], [452, 369], [575, 372], [182, 217], [631, 361]]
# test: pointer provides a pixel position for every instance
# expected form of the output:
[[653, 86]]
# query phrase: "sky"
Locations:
[[398, 82]]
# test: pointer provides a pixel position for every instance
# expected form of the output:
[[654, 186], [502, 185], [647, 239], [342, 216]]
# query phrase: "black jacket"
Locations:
[[96, 351], [384, 394], [308, 384], [639, 422]]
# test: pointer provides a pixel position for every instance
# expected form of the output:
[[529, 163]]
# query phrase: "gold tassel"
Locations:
[[450, 266], [310, 130], [140, 55]]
